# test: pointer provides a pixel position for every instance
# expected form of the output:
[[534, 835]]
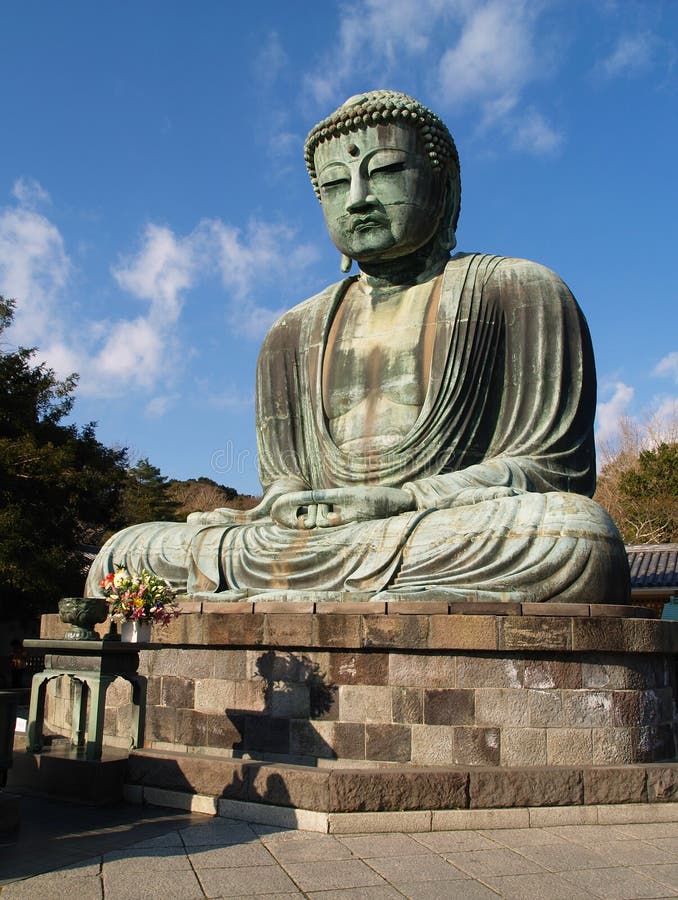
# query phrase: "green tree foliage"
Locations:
[[638, 485], [59, 487], [649, 493], [146, 496]]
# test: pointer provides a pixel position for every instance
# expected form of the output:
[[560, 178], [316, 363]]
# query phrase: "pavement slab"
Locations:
[[634, 853], [449, 841], [54, 886], [618, 883], [564, 857], [217, 832], [333, 874], [536, 887], [315, 847], [648, 830], [479, 863], [415, 868], [55, 834], [230, 856], [245, 881], [591, 835], [376, 892], [145, 859], [515, 838], [367, 845], [133, 885], [463, 889], [140, 853], [665, 873]]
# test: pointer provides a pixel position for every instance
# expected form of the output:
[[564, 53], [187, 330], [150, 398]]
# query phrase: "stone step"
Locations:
[[399, 788], [62, 772]]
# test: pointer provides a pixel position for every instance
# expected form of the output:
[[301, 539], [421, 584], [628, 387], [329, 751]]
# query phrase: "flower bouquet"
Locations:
[[139, 600]]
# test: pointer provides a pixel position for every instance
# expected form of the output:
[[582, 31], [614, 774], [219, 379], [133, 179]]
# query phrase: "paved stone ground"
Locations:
[[183, 856]]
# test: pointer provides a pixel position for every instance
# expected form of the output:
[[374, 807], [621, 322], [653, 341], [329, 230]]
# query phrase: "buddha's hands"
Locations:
[[226, 516], [339, 506], [472, 495]]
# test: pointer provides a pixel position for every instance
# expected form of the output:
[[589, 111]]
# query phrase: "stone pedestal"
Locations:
[[506, 699], [92, 666]]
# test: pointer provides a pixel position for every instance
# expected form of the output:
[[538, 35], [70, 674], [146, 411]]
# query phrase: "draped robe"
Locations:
[[509, 404]]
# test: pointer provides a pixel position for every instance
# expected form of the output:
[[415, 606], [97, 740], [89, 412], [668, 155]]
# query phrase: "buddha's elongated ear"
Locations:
[[346, 263], [447, 236]]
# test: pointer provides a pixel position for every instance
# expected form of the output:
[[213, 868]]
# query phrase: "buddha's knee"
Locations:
[[577, 516]]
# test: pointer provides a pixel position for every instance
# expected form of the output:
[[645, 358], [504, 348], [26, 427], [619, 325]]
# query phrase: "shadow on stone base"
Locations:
[[61, 772]]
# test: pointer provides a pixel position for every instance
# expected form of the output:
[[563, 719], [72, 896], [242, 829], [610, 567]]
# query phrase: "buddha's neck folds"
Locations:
[[415, 268]]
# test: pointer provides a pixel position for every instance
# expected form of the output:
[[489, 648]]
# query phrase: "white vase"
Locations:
[[135, 632]]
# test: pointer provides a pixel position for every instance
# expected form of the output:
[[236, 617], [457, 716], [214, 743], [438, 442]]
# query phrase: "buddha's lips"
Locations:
[[365, 222]]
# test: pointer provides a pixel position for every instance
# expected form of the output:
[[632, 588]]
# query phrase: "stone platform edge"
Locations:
[[405, 821], [212, 785], [412, 625], [398, 788]]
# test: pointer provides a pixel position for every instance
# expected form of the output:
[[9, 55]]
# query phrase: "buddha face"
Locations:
[[381, 198]]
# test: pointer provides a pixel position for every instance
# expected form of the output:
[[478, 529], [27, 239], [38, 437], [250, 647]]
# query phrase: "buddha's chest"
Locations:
[[376, 367]]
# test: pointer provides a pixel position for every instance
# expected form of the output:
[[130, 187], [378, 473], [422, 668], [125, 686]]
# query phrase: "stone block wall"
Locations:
[[397, 687]]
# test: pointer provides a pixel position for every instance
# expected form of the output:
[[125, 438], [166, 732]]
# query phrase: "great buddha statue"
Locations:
[[424, 426]]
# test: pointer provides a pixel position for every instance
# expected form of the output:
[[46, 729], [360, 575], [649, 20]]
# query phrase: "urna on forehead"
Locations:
[[359, 144], [377, 108]]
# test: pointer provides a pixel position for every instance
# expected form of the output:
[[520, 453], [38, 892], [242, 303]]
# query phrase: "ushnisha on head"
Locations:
[[391, 119]]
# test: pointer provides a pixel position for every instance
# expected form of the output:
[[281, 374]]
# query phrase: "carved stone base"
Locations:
[[410, 683]]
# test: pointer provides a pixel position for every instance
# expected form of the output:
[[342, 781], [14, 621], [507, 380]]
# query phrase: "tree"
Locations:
[[638, 481], [649, 494], [146, 496], [59, 486], [203, 495]]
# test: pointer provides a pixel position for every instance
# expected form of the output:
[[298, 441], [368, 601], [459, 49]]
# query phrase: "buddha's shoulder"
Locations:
[[286, 329], [510, 277]]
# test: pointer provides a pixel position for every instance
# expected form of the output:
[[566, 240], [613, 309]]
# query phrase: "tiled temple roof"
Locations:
[[653, 565]]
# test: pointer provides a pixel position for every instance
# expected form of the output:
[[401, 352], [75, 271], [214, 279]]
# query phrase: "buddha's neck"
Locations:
[[415, 268]]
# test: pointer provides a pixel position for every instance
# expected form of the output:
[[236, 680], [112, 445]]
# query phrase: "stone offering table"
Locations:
[[92, 666]]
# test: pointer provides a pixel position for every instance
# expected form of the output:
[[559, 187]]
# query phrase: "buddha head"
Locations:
[[386, 171]]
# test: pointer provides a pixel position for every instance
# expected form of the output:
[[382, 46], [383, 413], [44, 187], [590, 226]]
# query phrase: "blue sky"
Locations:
[[156, 215]]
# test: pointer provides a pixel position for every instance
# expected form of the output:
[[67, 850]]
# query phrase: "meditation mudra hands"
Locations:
[[339, 506], [316, 509]]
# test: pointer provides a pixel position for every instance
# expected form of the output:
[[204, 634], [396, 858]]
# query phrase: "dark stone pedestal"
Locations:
[[10, 819], [59, 771]]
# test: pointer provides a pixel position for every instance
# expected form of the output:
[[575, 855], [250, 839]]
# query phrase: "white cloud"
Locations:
[[271, 61], [665, 420], [230, 398], [612, 411], [158, 406], [668, 366], [133, 351], [631, 54], [114, 355], [265, 254], [494, 55], [375, 37], [29, 192], [533, 134], [482, 55], [163, 268], [34, 265]]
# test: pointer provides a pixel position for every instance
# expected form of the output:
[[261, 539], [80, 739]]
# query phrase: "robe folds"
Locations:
[[500, 461]]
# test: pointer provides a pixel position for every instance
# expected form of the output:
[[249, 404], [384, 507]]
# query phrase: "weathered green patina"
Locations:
[[425, 424]]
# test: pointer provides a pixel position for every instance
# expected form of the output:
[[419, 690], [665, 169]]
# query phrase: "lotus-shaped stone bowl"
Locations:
[[82, 614]]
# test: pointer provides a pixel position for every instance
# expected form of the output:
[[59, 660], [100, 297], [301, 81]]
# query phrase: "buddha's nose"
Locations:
[[359, 198]]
